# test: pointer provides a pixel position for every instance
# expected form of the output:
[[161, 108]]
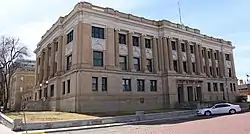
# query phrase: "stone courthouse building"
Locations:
[[99, 59]]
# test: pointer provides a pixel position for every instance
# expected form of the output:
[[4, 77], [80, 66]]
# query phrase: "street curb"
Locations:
[[113, 125]]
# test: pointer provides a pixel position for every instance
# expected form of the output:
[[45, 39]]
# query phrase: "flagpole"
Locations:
[[180, 12]]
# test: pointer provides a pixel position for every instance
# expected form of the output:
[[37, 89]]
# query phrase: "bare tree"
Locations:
[[10, 50]]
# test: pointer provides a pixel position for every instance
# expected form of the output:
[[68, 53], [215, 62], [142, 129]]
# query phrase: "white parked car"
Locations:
[[220, 108]]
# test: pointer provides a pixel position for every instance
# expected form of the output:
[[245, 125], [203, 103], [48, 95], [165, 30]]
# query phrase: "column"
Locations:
[[59, 55], [213, 63], [52, 60], [41, 67], [232, 65], [179, 52], [143, 54], [189, 60], [117, 53], [110, 52], [155, 56], [170, 55], [160, 53], [197, 59], [130, 53], [166, 56], [46, 62], [206, 62], [87, 46]]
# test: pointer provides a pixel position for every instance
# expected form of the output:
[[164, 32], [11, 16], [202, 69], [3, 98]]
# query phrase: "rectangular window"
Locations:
[[175, 64], [221, 86], [227, 57], [56, 46], [52, 90], [94, 83], [183, 49], [123, 62], [69, 62], [140, 85], [70, 36], [215, 56], [135, 41], [209, 54], [209, 87], [229, 72], [153, 85], [45, 92], [148, 43], [122, 38], [234, 86], [98, 59], [215, 85], [35, 96], [217, 71], [126, 83], [185, 66], [191, 49], [203, 52], [137, 63], [173, 45], [231, 86], [193, 66], [104, 84], [68, 86], [211, 70], [149, 65], [97, 32], [64, 87]]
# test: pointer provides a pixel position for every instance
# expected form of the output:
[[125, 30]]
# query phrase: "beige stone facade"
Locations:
[[101, 60], [21, 82]]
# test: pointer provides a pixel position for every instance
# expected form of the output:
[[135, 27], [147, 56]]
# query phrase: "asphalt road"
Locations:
[[227, 124]]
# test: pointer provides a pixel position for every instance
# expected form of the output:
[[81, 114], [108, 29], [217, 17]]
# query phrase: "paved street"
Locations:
[[228, 124]]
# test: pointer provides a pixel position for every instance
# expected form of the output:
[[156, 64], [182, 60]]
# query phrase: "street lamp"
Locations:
[[40, 91]]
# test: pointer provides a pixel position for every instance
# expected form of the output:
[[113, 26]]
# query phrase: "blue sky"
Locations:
[[227, 19]]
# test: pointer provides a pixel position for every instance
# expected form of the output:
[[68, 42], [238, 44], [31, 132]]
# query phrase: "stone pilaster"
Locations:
[[189, 60], [213, 63], [87, 46], [197, 59], [155, 56], [46, 62], [222, 64], [201, 59], [166, 56], [170, 55], [37, 71], [160, 53], [110, 52], [179, 52], [52, 60], [232, 65], [143, 54], [59, 55], [41, 67], [130, 53], [117, 53], [207, 62]]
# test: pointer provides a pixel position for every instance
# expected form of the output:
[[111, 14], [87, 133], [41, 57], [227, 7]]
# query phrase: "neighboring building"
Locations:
[[244, 90], [22, 80], [101, 60]]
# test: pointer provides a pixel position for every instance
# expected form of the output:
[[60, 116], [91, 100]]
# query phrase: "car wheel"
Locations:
[[207, 113], [232, 111]]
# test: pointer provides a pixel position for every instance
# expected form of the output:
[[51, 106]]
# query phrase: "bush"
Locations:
[[241, 98]]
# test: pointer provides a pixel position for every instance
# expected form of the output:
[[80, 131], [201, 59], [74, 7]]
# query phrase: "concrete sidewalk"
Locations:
[[101, 126], [5, 130]]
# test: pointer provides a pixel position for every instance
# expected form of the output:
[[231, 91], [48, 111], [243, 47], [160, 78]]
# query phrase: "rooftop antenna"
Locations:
[[180, 12]]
